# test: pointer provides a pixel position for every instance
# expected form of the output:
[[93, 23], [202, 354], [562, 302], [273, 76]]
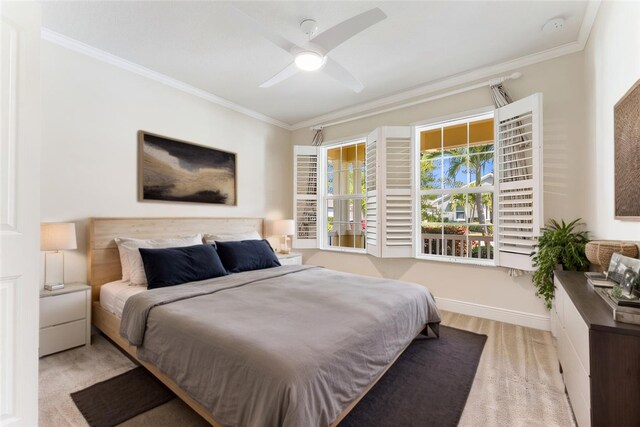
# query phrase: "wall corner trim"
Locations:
[[587, 22], [529, 320]]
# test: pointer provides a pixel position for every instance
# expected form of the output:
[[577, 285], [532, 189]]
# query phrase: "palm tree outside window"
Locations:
[[456, 188]]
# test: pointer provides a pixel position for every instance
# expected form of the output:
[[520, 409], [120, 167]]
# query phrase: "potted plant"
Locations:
[[560, 245]]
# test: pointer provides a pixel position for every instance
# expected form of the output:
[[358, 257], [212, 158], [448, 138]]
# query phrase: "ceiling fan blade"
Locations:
[[289, 71], [343, 31], [253, 25], [338, 72]]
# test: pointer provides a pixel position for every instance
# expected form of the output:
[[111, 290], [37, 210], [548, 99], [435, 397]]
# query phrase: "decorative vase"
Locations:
[[599, 252]]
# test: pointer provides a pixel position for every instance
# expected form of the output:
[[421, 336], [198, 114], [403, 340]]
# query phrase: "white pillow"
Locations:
[[132, 265], [231, 237]]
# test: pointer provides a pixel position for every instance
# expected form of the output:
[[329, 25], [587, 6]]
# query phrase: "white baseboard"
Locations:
[[529, 320]]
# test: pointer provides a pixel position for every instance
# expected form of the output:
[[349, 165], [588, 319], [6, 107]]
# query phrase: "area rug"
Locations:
[[427, 386], [120, 398]]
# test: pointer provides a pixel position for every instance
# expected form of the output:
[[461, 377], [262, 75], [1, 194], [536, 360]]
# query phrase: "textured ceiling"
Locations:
[[202, 44]]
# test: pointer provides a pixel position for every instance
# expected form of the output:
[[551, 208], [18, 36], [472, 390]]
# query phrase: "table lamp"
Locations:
[[284, 228], [54, 238]]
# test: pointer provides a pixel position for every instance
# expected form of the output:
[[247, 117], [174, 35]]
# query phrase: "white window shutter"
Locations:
[[305, 204], [392, 193], [518, 166], [373, 220]]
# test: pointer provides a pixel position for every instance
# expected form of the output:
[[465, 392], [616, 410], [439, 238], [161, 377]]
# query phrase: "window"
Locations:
[[456, 189], [343, 196], [465, 190]]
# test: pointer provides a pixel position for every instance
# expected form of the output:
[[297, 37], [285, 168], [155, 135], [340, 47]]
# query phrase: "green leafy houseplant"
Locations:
[[563, 244]]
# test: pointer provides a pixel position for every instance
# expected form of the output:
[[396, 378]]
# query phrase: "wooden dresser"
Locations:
[[599, 357]]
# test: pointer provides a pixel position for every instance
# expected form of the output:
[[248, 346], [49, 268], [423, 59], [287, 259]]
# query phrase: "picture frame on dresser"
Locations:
[[625, 271]]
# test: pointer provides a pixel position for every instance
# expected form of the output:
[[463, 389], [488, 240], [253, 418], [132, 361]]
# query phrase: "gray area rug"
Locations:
[[427, 386]]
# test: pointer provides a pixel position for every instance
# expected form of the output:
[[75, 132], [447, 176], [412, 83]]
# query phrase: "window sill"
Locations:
[[458, 260], [449, 259], [348, 250]]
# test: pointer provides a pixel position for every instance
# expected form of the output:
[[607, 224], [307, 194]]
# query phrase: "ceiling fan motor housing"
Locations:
[[309, 26]]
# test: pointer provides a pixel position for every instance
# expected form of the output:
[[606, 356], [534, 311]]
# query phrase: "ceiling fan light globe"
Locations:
[[309, 61]]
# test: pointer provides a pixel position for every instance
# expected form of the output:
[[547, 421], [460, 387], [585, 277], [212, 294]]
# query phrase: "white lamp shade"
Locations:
[[57, 236], [284, 227]]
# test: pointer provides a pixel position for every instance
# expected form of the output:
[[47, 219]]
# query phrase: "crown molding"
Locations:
[[100, 55], [463, 78], [366, 107], [443, 84]]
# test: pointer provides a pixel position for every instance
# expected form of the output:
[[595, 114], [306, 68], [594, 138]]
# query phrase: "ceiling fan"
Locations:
[[313, 56]]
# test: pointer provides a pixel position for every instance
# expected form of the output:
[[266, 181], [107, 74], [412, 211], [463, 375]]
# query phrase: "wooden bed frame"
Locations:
[[104, 267]]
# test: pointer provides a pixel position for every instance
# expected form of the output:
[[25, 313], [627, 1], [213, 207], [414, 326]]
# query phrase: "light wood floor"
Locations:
[[517, 383]]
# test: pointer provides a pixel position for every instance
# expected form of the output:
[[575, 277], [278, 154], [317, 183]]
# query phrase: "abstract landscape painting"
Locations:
[[172, 170]]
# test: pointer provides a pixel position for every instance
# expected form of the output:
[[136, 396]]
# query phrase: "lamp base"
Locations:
[[53, 267], [284, 249]]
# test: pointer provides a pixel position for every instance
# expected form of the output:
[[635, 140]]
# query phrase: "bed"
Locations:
[[290, 345]]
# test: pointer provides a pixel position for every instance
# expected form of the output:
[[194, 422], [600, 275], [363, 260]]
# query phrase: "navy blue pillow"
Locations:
[[175, 266], [247, 255]]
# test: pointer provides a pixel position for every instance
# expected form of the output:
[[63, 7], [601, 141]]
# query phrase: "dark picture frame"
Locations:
[[172, 170], [625, 271], [626, 117]]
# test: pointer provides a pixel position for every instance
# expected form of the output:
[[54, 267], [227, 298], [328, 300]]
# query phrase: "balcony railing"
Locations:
[[478, 247]]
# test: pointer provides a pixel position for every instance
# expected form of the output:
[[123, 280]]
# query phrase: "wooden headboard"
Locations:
[[104, 259]]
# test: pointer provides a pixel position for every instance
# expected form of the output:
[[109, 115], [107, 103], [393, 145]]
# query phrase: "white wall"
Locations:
[[91, 114], [561, 82], [612, 66]]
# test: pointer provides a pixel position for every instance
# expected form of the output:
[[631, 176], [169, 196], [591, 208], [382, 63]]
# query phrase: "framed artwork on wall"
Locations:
[[626, 117], [171, 170]]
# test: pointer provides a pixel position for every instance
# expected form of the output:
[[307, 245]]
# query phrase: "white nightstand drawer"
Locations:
[[62, 337], [58, 309], [290, 259]]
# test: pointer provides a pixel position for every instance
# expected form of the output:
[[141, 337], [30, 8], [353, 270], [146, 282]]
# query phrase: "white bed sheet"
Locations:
[[114, 295]]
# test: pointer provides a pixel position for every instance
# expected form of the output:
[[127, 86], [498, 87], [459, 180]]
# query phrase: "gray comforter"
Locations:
[[287, 346]]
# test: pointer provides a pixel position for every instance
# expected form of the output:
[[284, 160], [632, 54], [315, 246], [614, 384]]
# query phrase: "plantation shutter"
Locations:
[[305, 204], [373, 220], [398, 201], [518, 145], [389, 197]]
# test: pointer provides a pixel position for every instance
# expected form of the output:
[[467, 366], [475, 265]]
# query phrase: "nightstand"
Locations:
[[291, 258], [65, 318]]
